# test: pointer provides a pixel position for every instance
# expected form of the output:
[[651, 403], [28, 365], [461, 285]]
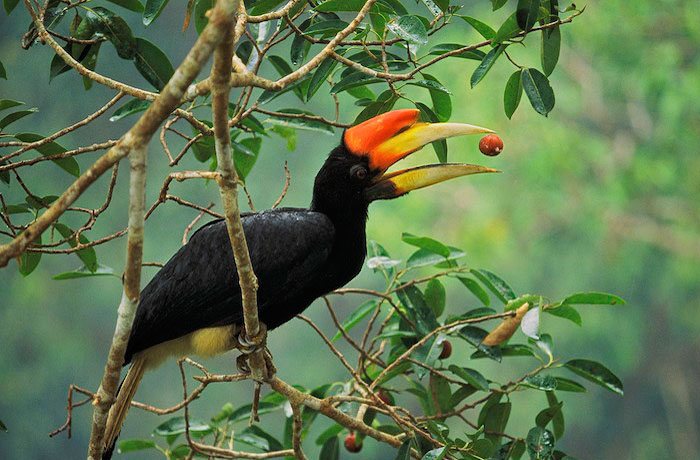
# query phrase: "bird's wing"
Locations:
[[198, 287]]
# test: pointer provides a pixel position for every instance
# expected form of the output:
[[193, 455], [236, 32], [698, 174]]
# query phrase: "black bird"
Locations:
[[193, 304]]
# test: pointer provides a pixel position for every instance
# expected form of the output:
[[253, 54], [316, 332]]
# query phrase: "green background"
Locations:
[[601, 195]]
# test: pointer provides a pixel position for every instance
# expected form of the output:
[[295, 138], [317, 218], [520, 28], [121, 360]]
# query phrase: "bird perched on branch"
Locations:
[[193, 304]]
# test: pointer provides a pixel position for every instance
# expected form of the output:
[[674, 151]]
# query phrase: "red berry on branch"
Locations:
[[491, 145], [385, 397], [446, 350], [350, 444]]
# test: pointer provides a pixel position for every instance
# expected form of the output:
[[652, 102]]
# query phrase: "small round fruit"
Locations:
[[385, 396], [491, 145], [446, 350], [350, 444]]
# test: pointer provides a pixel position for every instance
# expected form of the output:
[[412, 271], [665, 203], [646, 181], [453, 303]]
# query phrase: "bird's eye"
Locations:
[[358, 172]]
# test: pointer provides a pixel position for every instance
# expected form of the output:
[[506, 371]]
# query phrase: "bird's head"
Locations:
[[355, 172]]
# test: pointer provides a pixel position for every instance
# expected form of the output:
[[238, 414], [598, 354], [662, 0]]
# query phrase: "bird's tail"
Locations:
[[118, 412]]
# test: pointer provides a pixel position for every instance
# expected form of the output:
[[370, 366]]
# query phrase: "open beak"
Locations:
[[392, 136]]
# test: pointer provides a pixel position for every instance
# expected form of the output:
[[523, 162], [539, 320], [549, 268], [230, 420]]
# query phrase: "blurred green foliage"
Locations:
[[598, 196]]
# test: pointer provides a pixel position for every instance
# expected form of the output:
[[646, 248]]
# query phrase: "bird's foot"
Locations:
[[248, 346]]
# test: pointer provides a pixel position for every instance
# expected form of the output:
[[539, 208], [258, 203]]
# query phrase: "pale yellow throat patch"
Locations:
[[204, 342]]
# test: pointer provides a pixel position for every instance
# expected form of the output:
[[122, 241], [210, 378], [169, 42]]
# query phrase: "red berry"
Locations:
[[446, 350], [350, 444], [385, 397], [491, 145]]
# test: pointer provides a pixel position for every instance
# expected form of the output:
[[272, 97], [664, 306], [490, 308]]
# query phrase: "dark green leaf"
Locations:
[[330, 449], [152, 63], [300, 123], [300, 46], [133, 5], [130, 108], [512, 93], [442, 103], [527, 13], [423, 257], [553, 414], [284, 69], [87, 255], [430, 84], [436, 454], [428, 115], [115, 29], [355, 317], [564, 384], [471, 376], [413, 301], [152, 10], [28, 261], [241, 153], [133, 445], [264, 6], [540, 444], [176, 425], [509, 350], [353, 80], [440, 387], [538, 90], [565, 311], [9, 103], [508, 30], [3, 72], [375, 108], [438, 50], [405, 450], [330, 26], [475, 289], [67, 164], [14, 116], [495, 421], [495, 284], [426, 243], [541, 382], [493, 400], [200, 16], [486, 64], [319, 77], [593, 298], [435, 296], [297, 87], [596, 373], [518, 302], [461, 394], [3, 427], [409, 28], [496, 4], [485, 30], [551, 43], [329, 433], [249, 438], [510, 450], [9, 6]]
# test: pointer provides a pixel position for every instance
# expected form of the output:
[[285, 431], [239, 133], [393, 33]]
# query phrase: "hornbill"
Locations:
[[193, 304]]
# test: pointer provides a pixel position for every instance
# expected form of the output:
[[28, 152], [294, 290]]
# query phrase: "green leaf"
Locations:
[[471, 376], [3, 427], [297, 86], [426, 243], [405, 450], [423, 257], [475, 289], [512, 93], [541, 382], [540, 444], [300, 46], [440, 387], [329, 433], [593, 298], [551, 44], [441, 49], [486, 64], [200, 15], [430, 84], [176, 426], [596, 373], [566, 312], [409, 28], [9, 6], [14, 116], [412, 299], [28, 261], [527, 13], [495, 284], [436, 454], [440, 96], [510, 450], [3, 72], [497, 4], [152, 10], [508, 30], [300, 123], [284, 69], [484, 30], [538, 90], [508, 350], [330, 449], [461, 394], [133, 5], [552, 414], [152, 63], [84, 272], [9, 103], [133, 445], [319, 77], [428, 115], [435, 296], [564, 384], [241, 153], [67, 164], [87, 255], [354, 80], [264, 6], [518, 302], [251, 439], [130, 108], [496, 420], [115, 29], [355, 317], [330, 26]]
